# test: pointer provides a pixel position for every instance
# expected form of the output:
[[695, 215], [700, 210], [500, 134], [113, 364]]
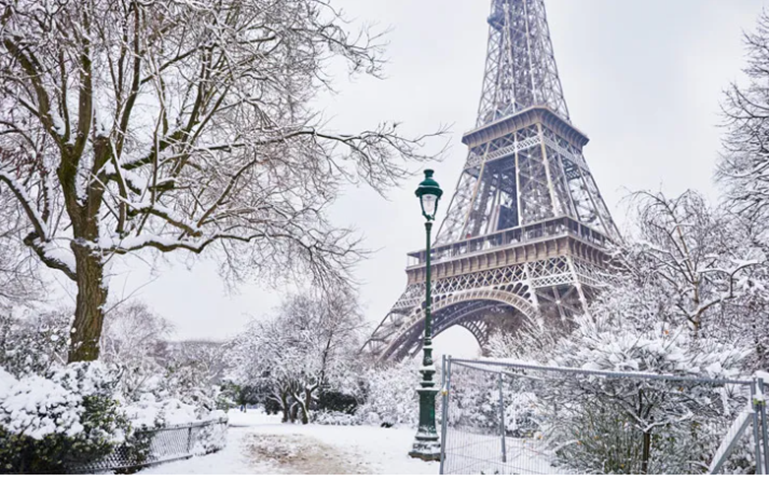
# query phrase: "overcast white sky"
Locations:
[[643, 78]]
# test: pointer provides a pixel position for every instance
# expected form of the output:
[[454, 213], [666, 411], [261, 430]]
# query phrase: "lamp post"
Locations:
[[427, 446]]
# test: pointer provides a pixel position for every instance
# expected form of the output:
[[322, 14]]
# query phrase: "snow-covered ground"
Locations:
[[259, 444]]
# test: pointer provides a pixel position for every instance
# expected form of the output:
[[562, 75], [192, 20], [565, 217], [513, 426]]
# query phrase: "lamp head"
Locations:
[[429, 192]]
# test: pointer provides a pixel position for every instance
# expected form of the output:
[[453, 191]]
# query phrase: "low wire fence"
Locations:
[[510, 418], [162, 445]]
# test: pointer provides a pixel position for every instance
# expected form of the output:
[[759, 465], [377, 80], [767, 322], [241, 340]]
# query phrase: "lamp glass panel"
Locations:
[[429, 203]]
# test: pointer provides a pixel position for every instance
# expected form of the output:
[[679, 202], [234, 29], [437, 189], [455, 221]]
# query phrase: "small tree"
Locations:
[[194, 372], [135, 339], [128, 126], [306, 346], [690, 253]]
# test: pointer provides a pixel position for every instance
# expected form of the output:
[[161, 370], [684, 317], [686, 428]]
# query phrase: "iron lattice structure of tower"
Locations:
[[527, 231]]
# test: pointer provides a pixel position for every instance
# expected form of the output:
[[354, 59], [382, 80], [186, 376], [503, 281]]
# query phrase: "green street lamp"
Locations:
[[427, 445]]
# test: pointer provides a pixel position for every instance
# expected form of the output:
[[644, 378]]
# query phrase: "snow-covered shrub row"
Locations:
[[59, 414], [49, 424], [74, 417], [149, 412]]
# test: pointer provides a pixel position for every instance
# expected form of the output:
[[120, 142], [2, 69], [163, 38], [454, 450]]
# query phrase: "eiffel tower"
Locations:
[[527, 232]]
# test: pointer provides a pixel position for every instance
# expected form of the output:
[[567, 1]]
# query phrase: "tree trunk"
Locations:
[[758, 339], [285, 406], [89, 309], [306, 405], [646, 452], [305, 417]]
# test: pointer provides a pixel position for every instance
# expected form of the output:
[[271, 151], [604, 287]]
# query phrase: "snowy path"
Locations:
[[260, 444]]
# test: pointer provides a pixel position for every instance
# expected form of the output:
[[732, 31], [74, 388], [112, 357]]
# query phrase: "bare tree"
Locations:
[[744, 165], [180, 125], [690, 250], [135, 338], [743, 171]]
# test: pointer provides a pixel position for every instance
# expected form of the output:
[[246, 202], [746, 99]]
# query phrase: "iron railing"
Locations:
[[176, 442], [556, 227]]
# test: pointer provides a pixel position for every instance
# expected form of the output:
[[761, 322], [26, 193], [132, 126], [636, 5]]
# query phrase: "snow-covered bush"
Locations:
[[337, 406], [339, 400], [327, 417], [624, 425], [213, 437], [34, 342], [233, 395], [391, 396], [47, 425], [149, 412]]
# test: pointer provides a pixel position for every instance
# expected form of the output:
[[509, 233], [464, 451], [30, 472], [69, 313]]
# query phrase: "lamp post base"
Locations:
[[426, 447], [427, 444], [427, 457]]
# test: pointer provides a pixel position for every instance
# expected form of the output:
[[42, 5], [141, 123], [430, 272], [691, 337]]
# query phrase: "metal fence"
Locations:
[[511, 418], [162, 445]]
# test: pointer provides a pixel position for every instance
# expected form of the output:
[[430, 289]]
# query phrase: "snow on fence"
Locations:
[[176, 442], [512, 418]]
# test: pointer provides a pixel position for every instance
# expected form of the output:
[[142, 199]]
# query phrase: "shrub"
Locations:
[[213, 437], [335, 401], [325, 417], [54, 425], [33, 344]]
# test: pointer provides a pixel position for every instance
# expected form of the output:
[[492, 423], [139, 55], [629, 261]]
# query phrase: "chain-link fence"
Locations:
[[161, 445], [509, 418]]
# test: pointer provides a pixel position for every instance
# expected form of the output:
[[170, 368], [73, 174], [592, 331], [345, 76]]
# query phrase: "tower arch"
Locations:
[[480, 311]]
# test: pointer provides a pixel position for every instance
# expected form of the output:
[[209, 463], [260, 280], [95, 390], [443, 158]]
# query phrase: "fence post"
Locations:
[[502, 419], [756, 436], [762, 406], [189, 439], [445, 407]]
